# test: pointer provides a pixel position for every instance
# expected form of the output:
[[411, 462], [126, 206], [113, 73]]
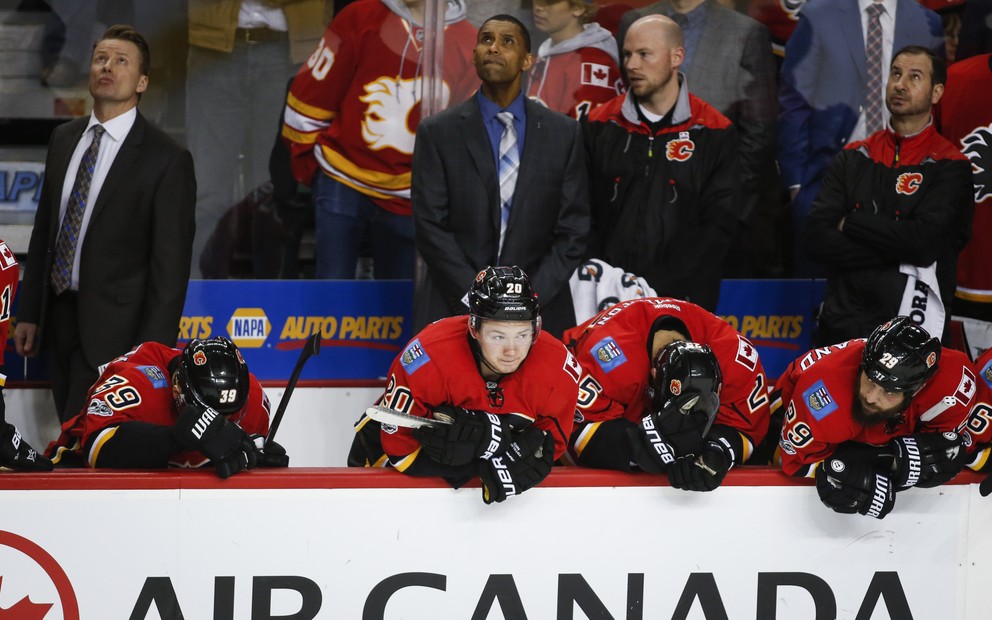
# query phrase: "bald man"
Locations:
[[665, 177]]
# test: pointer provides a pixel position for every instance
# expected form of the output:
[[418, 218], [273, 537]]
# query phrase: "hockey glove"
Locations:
[[850, 485], [650, 448], [926, 459], [471, 435], [526, 462], [986, 486], [273, 455], [705, 472], [15, 453], [225, 444]]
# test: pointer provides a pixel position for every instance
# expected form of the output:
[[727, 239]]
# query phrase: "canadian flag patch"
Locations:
[[7, 259], [595, 74]]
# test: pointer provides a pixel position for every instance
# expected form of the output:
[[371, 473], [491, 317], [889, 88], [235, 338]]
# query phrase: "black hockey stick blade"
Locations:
[[310, 347]]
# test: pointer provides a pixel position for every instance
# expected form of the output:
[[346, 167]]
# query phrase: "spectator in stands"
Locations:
[[507, 387], [643, 362], [858, 416], [109, 256], [576, 68], [728, 64], [824, 96], [241, 52], [157, 406], [660, 145], [499, 179], [893, 213], [350, 120]]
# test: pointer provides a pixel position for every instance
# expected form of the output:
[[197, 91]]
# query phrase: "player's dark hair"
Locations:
[[503, 17], [124, 32], [938, 67]]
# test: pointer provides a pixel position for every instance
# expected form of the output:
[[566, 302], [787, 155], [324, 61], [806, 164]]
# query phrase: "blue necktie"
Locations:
[[509, 162]]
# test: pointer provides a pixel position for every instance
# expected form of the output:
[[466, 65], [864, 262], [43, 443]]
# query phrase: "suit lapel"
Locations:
[[126, 156], [481, 151], [64, 148], [850, 25], [708, 52]]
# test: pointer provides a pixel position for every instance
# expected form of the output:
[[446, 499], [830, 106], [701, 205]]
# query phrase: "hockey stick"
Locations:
[[385, 415], [310, 347]]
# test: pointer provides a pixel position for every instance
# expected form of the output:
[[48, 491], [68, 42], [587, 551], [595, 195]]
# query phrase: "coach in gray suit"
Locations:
[[457, 206], [729, 65]]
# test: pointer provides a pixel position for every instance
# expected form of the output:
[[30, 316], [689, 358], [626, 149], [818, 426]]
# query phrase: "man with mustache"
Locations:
[[868, 418]]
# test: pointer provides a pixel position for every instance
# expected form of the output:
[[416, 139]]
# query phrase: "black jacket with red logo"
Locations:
[[665, 204], [903, 199]]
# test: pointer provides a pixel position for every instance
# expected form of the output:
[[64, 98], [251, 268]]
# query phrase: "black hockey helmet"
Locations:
[[503, 294], [687, 381], [212, 373], [900, 356]]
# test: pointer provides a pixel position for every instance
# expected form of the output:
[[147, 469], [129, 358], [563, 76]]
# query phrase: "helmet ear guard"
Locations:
[[211, 374], [900, 356]]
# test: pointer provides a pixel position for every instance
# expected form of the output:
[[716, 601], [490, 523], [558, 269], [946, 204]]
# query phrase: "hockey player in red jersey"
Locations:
[[157, 406], [619, 351], [977, 429], [870, 418], [508, 387], [577, 67], [15, 453]]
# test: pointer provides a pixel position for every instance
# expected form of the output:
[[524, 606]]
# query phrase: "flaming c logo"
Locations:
[[24, 608], [680, 149], [908, 183]]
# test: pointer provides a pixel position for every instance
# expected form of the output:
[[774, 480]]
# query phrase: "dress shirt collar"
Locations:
[[117, 127]]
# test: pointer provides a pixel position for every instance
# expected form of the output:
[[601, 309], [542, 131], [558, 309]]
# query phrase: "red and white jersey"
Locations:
[[137, 387], [819, 389], [577, 74], [977, 429], [438, 368], [779, 16], [354, 106], [965, 118], [8, 287], [613, 349]]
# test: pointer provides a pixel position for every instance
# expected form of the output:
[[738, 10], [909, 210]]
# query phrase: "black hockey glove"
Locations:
[[847, 482], [650, 448], [273, 455], [526, 462], [225, 444], [926, 459], [986, 486], [471, 435], [15, 453], [704, 472]]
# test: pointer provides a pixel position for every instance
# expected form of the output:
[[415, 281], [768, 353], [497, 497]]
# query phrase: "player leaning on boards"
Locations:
[[507, 388], [868, 418], [650, 397], [157, 406], [977, 429]]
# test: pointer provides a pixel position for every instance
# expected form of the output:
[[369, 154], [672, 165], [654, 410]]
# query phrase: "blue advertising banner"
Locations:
[[365, 323]]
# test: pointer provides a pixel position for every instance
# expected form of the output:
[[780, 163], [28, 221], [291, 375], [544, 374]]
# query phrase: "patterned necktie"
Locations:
[[873, 54], [65, 245], [509, 162]]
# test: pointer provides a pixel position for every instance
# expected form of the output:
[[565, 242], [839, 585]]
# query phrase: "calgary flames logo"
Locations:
[[791, 8], [675, 387], [908, 183], [199, 358], [680, 149], [978, 147], [389, 116]]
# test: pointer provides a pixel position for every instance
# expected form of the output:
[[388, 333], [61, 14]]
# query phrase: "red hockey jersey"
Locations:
[[977, 429], [354, 106], [438, 368], [818, 391], [8, 287], [137, 387], [613, 350]]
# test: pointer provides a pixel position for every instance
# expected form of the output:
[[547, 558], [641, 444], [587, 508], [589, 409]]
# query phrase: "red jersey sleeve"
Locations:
[[977, 428]]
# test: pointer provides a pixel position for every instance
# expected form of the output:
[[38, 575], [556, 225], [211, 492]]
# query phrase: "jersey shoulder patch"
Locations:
[[414, 357], [608, 354], [156, 376], [818, 400]]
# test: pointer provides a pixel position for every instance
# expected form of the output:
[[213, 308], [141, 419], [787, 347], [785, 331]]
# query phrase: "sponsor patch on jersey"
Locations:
[[908, 182], [98, 407], [680, 149], [595, 74], [987, 374], [819, 401], [747, 355], [156, 376], [608, 353], [966, 387], [414, 357]]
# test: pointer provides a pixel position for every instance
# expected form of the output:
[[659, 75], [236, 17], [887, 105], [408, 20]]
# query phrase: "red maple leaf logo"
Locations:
[[599, 74], [24, 609]]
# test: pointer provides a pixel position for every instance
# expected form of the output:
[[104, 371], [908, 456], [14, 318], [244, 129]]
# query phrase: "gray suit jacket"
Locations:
[[456, 210]]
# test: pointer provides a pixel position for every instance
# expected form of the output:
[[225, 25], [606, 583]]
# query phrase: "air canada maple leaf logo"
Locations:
[[977, 146], [24, 609]]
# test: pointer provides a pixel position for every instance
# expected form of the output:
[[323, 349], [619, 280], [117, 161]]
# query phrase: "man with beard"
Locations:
[[894, 211], [870, 418]]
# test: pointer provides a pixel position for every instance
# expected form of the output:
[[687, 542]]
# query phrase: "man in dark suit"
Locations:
[[824, 92], [109, 256], [464, 222]]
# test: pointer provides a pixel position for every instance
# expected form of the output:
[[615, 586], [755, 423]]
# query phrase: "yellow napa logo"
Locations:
[[248, 327]]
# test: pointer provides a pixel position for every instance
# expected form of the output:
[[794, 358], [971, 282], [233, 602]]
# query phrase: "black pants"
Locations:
[[71, 374]]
